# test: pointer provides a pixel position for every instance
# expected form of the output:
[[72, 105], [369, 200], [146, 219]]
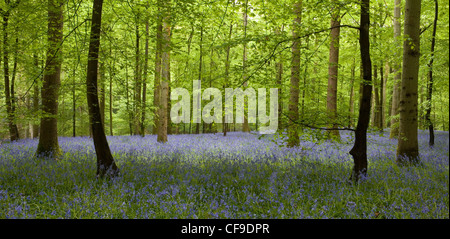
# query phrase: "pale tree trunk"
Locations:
[[48, 137], [156, 88], [245, 126], [105, 161], [279, 80], [408, 148], [293, 133], [333, 73], [396, 71], [227, 75]]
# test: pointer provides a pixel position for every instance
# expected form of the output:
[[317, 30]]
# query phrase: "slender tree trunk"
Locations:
[[227, 75], [396, 71], [144, 81], [359, 150], [352, 93], [245, 126], [13, 131], [430, 78], [74, 105], [165, 76], [48, 136], [156, 89], [111, 74], [102, 91], [137, 83], [105, 161], [279, 80], [333, 73], [36, 101], [293, 133], [197, 125], [408, 148]]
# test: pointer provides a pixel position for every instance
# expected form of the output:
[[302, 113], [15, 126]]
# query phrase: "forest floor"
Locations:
[[211, 176]]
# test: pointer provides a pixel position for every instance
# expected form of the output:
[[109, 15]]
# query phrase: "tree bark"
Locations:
[[245, 126], [156, 89], [293, 134], [13, 130], [48, 137], [227, 76], [430, 78], [333, 73], [165, 76], [105, 161], [396, 71], [359, 150], [144, 81], [408, 148]]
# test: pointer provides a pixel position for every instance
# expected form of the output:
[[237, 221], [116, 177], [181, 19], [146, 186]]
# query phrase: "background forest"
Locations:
[[202, 35], [74, 71]]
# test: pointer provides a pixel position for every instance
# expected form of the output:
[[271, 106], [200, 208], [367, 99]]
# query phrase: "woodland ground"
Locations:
[[211, 176]]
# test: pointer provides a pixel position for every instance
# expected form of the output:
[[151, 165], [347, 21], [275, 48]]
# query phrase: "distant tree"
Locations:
[[333, 67], [396, 71], [408, 147], [165, 75], [5, 12], [293, 134], [105, 161], [48, 136]]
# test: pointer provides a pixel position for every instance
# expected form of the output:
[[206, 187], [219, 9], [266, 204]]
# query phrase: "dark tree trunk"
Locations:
[[359, 150], [144, 81], [105, 161], [48, 137], [13, 131], [430, 78]]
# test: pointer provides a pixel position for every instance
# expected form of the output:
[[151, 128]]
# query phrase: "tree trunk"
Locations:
[[48, 137], [408, 148], [245, 126], [396, 71], [137, 83], [352, 94], [36, 100], [227, 75], [156, 88], [333, 73], [165, 76], [13, 131], [293, 133], [144, 81], [430, 78], [105, 161], [359, 150]]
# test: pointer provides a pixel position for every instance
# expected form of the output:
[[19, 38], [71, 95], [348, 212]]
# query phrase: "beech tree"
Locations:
[[105, 161], [293, 139], [408, 147], [48, 135], [359, 149]]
